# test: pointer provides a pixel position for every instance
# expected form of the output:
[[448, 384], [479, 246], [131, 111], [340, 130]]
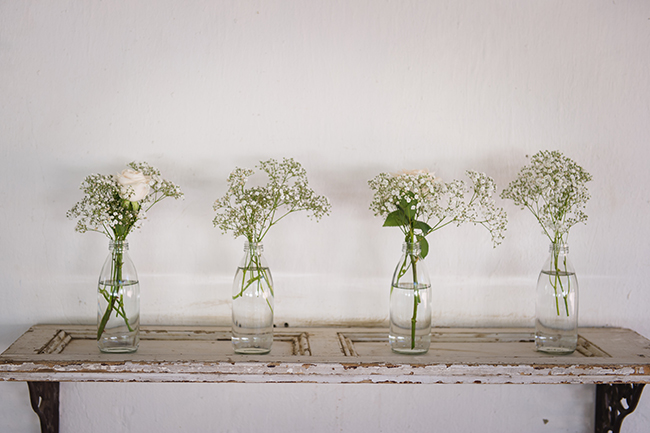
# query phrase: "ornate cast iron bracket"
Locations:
[[613, 403], [44, 397]]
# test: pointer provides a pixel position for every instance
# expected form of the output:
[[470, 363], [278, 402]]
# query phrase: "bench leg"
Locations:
[[44, 397], [613, 403]]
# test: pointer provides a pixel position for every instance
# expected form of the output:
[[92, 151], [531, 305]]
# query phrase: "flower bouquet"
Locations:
[[553, 188], [251, 212], [115, 205], [419, 203]]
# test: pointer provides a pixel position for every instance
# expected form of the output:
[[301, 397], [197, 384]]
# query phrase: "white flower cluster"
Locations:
[[439, 204], [553, 188], [419, 188], [251, 212], [115, 205], [480, 208]]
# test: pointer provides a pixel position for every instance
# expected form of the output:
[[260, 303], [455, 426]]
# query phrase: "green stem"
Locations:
[[410, 261], [555, 278], [258, 274], [416, 298], [117, 262]]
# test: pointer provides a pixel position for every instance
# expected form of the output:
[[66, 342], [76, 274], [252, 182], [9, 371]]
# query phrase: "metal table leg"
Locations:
[[44, 397], [613, 403]]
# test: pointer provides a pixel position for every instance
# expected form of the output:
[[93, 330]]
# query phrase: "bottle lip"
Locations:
[[253, 246], [411, 246], [559, 246], [113, 244]]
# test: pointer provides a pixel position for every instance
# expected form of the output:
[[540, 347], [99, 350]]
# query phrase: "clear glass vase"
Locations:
[[118, 302], [252, 303], [556, 306], [410, 304]]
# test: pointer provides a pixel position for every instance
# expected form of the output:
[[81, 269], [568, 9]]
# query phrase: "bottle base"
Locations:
[[252, 345], [555, 350], [415, 351], [402, 344], [114, 345], [118, 349], [555, 345], [252, 351]]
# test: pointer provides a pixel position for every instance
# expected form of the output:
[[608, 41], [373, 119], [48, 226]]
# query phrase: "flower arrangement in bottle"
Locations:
[[553, 188], [115, 205], [418, 204], [251, 212]]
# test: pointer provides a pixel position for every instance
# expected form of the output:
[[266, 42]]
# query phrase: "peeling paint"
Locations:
[[326, 362]]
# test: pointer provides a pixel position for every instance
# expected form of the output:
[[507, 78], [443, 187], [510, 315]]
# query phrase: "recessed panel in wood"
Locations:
[[483, 344]]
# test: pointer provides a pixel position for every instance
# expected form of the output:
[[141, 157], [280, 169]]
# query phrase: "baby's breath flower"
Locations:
[[553, 188], [251, 212], [104, 210], [417, 200]]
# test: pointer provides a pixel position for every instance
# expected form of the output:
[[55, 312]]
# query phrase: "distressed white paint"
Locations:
[[349, 89], [317, 355]]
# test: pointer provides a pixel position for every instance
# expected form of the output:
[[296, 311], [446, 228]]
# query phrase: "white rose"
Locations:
[[134, 186]]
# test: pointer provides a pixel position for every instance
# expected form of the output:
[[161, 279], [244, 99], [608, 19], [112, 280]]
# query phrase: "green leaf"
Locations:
[[424, 246], [422, 226], [395, 219]]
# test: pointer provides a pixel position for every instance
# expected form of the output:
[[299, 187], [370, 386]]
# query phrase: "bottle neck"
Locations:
[[411, 248], [253, 247], [558, 248], [118, 246]]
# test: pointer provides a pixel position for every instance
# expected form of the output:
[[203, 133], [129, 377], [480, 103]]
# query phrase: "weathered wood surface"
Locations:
[[327, 355]]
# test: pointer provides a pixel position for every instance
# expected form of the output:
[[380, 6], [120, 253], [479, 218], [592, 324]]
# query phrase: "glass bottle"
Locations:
[[410, 304], [556, 306], [118, 302], [252, 303]]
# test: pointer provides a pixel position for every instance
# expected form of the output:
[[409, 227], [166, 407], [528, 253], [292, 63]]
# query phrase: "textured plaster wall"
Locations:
[[349, 89]]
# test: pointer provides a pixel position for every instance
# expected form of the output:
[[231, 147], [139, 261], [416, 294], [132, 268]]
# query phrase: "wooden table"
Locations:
[[616, 360]]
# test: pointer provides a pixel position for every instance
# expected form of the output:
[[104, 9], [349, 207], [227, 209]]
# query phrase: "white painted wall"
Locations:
[[349, 89]]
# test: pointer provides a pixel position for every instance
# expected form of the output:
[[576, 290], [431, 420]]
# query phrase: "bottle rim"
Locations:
[[258, 246], [559, 246], [118, 244], [411, 247]]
